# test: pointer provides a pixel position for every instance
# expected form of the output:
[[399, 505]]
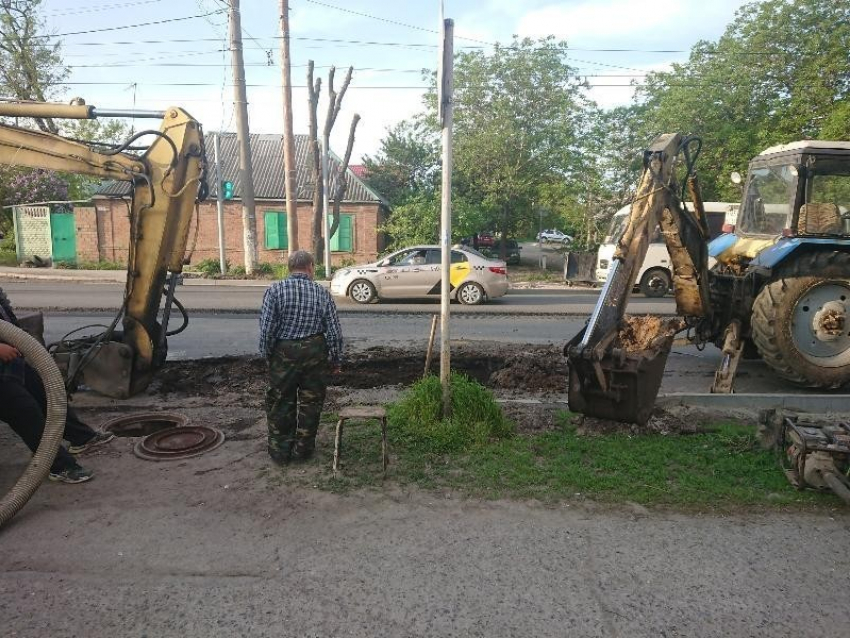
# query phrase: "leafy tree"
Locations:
[[101, 132], [30, 65], [518, 130], [407, 164], [415, 221], [779, 73]]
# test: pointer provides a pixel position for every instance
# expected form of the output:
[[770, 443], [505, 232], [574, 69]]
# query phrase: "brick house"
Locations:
[[103, 231]]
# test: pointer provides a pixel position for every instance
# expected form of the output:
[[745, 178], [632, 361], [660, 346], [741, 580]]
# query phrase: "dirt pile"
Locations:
[[672, 421], [536, 371], [638, 333], [505, 367]]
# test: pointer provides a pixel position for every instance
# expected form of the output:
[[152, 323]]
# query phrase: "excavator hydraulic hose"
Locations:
[[54, 386]]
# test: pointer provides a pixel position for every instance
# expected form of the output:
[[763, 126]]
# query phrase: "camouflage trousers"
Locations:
[[298, 380]]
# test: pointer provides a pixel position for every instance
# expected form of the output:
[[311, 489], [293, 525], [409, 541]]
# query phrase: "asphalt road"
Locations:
[[49, 295]]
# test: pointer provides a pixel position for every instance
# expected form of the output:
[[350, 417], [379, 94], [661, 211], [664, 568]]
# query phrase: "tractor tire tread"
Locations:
[[766, 315]]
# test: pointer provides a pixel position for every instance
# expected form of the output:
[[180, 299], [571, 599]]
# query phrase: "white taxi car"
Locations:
[[415, 272]]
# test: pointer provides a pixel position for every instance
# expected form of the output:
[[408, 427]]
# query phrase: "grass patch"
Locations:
[[476, 417], [8, 258], [721, 469]]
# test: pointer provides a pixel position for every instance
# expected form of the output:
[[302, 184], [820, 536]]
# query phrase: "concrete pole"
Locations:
[[219, 207], [290, 170], [446, 89], [326, 210], [246, 172]]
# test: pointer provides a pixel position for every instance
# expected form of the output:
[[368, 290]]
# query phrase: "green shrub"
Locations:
[[266, 270], [99, 265], [476, 417], [209, 267], [236, 271], [8, 258]]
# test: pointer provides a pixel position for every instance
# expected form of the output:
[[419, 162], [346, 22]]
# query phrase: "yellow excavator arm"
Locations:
[[614, 373], [167, 180]]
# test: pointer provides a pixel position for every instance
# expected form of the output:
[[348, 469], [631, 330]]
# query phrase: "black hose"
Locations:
[[126, 144], [185, 323]]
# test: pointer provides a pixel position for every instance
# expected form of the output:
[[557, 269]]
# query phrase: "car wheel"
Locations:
[[470, 294], [362, 291], [655, 283]]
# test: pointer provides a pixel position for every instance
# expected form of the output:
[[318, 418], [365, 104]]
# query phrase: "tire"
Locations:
[[785, 315], [655, 283], [470, 294], [362, 291]]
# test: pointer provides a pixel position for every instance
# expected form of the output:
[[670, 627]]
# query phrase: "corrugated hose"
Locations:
[[54, 385]]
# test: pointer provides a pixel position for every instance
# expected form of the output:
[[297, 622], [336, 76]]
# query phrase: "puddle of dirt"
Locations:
[[672, 420]]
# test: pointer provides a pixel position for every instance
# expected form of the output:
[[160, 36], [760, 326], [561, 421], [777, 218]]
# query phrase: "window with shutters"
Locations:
[[343, 239], [275, 224]]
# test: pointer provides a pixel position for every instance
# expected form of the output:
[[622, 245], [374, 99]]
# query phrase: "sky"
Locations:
[[118, 61]]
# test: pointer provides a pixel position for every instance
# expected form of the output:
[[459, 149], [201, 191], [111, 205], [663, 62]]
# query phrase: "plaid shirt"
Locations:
[[296, 308]]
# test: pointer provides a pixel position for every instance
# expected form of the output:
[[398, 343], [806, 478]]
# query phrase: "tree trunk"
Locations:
[[313, 91], [342, 177]]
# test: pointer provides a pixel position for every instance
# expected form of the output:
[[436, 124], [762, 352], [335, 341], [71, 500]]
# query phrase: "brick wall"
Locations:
[[85, 219], [111, 227]]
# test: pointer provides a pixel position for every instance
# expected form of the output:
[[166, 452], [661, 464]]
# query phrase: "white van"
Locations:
[[655, 278]]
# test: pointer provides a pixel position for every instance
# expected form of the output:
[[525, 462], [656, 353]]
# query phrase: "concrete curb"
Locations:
[[817, 403]]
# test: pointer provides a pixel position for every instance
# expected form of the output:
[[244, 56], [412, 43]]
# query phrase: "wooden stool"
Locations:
[[361, 412]]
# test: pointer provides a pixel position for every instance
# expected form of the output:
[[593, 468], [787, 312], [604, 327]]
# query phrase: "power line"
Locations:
[[130, 26], [98, 8], [371, 17]]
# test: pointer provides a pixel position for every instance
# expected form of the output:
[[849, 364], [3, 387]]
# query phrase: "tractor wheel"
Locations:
[[799, 322], [655, 283]]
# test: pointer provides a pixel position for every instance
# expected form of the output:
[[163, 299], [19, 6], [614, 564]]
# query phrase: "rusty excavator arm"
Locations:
[[610, 377], [168, 178]]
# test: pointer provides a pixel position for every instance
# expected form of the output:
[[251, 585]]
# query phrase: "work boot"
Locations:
[[72, 474], [99, 438], [280, 457], [303, 451]]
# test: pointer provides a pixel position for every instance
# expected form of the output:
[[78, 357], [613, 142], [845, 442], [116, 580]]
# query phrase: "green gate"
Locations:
[[63, 237]]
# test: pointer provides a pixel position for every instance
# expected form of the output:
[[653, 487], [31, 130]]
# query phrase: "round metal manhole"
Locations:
[[145, 424], [178, 443]]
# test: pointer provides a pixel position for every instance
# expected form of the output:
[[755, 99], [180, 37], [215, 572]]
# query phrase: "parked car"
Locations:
[[486, 239], [553, 236], [415, 272], [512, 249]]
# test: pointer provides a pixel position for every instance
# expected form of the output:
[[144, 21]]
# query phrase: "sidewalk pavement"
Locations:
[[190, 279], [115, 276]]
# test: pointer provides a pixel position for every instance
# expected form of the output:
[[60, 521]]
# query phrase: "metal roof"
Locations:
[[807, 144], [267, 161]]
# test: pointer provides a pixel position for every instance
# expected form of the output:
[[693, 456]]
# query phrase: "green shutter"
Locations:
[[342, 241], [275, 224]]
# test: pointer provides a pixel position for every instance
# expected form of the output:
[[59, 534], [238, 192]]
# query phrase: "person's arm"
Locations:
[[269, 318], [8, 353], [333, 334]]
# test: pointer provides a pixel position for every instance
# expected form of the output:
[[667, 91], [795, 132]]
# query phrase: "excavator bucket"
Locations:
[[619, 379]]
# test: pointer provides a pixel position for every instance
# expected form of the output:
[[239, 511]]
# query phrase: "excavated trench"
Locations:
[[533, 370]]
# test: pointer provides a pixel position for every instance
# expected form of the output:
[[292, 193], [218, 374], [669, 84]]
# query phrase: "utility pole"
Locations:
[[290, 171], [326, 208], [219, 207], [246, 172], [445, 87]]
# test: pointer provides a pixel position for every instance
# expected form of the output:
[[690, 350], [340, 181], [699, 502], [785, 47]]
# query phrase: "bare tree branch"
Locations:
[[314, 89], [342, 176]]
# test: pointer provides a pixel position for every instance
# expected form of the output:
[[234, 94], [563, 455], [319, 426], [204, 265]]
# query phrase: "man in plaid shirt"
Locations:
[[302, 341]]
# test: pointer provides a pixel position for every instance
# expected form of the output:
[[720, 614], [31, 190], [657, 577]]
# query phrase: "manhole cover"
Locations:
[[178, 443], [144, 424]]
